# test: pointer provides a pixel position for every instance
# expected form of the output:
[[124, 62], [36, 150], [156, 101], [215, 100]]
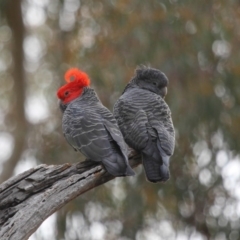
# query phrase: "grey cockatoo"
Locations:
[[145, 121], [89, 127]]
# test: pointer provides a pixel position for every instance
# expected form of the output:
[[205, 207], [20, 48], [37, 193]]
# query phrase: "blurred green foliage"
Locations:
[[196, 44]]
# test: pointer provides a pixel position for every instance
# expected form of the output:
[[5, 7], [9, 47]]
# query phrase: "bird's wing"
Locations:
[[117, 136], [165, 131], [112, 128], [86, 133], [132, 123], [122, 147]]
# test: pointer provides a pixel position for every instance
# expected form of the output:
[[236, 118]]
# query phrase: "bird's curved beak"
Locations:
[[62, 106], [164, 92]]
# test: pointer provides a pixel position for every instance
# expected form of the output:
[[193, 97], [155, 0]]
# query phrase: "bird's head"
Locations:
[[152, 79], [76, 81]]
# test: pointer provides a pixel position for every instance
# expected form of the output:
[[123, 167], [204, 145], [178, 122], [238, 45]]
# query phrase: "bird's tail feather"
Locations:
[[155, 170], [129, 171], [118, 168], [155, 162]]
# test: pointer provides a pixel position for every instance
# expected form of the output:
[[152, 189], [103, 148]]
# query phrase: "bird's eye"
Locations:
[[66, 93], [154, 83]]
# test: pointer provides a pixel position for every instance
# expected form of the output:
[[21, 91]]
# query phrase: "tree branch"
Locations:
[[27, 199]]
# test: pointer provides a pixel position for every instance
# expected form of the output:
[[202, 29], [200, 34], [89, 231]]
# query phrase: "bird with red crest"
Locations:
[[89, 127]]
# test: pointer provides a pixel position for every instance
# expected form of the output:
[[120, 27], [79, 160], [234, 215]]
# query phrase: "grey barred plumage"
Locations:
[[145, 121], [90, 128]]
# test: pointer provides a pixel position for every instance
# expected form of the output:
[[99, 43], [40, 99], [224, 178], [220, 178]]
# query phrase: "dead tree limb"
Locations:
[[27, 199]]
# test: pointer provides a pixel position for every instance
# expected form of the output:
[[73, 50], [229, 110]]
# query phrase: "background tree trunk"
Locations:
[[14, 18], [29, 198]]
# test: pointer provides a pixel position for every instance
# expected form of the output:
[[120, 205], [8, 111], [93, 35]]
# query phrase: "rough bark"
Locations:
[[27, 199]]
